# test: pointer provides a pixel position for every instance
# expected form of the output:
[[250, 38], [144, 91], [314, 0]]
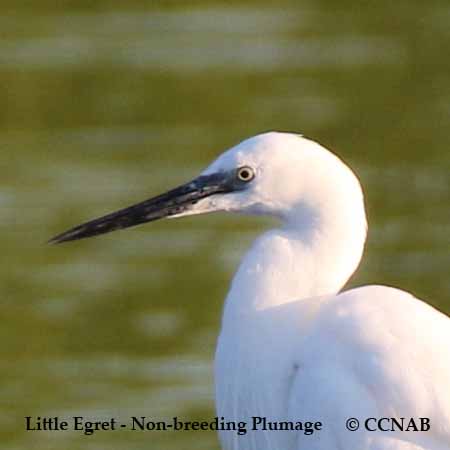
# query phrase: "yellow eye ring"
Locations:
[[245, 174]]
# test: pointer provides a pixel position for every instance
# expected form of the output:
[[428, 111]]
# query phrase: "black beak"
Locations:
[[177, 201]]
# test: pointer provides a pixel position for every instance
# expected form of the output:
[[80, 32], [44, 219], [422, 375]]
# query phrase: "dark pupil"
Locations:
[[245, 174]]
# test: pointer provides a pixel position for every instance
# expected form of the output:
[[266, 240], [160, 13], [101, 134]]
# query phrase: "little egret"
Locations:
[[292, 348]]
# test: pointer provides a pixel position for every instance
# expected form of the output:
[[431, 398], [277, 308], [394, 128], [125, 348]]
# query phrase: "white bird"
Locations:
[[292, 347]]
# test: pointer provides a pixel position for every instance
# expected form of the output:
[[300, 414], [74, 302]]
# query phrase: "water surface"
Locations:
[[105, 106]]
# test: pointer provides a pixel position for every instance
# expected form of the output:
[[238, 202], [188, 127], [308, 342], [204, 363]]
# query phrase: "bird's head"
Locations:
[[278, 174]]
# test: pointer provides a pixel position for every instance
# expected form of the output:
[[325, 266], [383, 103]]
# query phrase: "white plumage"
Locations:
[[291, 347]]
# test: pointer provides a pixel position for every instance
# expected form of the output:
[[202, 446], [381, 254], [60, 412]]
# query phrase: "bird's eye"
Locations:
[[245, 174]]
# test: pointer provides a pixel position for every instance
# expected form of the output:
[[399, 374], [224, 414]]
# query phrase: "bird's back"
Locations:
[[374, 352]]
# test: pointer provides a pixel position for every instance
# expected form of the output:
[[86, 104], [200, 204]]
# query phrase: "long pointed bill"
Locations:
[[178, 201]]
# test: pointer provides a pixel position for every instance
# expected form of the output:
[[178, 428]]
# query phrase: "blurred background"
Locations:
[[106, 103]]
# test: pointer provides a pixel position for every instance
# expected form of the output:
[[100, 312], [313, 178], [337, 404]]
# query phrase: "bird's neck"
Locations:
[[311, 255]]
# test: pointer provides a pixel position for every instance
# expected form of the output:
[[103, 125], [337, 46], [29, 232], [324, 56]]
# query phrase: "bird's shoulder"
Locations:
[[384, 321], [375, 351], [376, 312]]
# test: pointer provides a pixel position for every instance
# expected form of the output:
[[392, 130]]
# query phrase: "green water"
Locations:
[[104, 106]]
